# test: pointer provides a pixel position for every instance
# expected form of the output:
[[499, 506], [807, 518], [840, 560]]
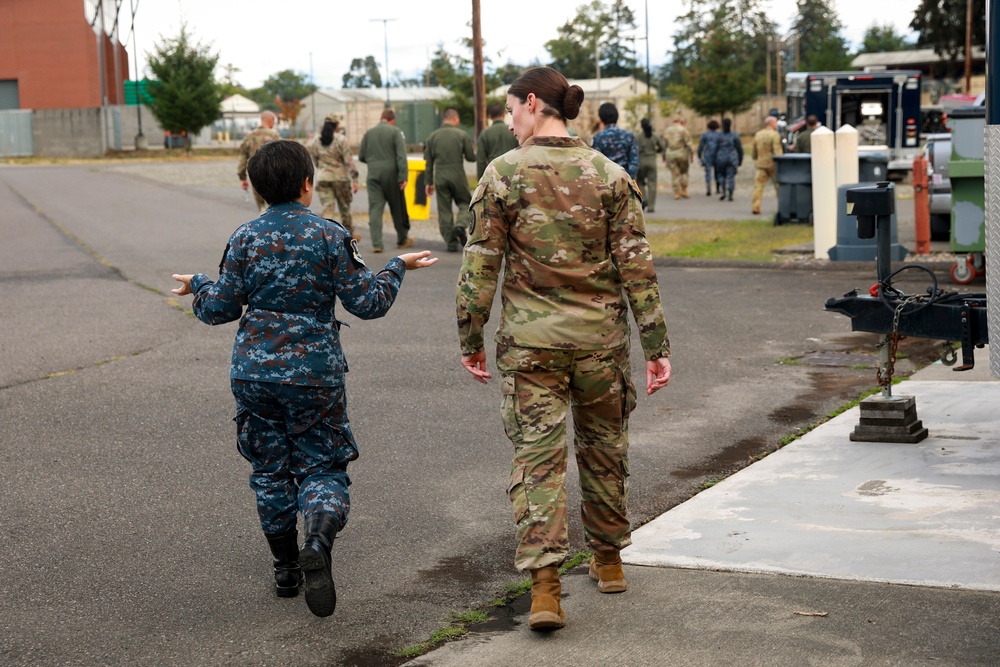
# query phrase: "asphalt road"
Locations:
[[127, 530]]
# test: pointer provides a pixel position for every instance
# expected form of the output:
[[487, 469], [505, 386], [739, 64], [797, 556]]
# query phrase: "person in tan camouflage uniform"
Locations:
[[766, 145], [568, 223], [678, 156], [254, 140], [337, 177]]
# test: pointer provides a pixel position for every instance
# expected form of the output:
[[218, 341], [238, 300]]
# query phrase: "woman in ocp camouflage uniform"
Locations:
[[568, 221], [337, 178]]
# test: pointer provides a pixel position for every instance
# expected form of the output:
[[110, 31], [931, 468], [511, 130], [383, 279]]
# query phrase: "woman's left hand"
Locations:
[[657, 374], [476, 364]]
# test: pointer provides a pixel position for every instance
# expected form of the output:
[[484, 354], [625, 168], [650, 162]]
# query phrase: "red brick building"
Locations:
[[49, 56]]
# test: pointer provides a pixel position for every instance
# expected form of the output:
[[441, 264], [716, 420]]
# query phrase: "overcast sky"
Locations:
[[321, 37]]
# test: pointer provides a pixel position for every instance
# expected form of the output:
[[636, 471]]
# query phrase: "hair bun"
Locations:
[[572, 102]]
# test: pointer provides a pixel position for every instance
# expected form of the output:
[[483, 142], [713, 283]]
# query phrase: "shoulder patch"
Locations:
[[352, 248], [635, 188]]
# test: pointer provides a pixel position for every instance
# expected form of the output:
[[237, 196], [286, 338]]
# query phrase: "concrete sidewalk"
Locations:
[[845, 522]]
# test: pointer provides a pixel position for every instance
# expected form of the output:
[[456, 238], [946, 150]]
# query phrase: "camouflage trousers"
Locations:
[[540, 386], [725, 173], [298, 442], [679, 165], [764, 174], [339, 194]]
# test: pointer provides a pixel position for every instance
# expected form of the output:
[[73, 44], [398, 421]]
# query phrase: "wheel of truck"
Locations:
[[963, 272]]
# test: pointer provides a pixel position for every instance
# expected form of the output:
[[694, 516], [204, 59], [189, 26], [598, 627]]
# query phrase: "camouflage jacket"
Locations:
[[678, 141], [493, 142], [708, 144], [444, 151], [729, 149], [334, 162], [568, 221], [250, 144], [288, 267], [620, 147], [766, 144]]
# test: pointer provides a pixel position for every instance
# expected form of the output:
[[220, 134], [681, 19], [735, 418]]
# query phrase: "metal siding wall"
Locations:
[[16, 133]]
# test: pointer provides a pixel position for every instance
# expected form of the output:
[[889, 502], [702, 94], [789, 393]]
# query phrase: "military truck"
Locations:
[[884, 107]]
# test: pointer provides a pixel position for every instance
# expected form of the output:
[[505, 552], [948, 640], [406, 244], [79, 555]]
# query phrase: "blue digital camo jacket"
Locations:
[[619, 146], [288, 267]]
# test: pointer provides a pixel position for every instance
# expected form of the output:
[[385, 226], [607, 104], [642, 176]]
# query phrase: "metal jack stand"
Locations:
[[942, 315], [884, 418]]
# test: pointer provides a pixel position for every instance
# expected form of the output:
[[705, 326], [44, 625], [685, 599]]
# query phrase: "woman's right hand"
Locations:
[[418, 260]]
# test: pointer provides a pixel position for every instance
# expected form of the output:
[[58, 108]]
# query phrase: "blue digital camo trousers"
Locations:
[[540, 388], [299, 442]]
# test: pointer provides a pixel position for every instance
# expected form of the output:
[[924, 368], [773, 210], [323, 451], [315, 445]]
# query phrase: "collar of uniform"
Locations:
[[290, 206], [558, 142]]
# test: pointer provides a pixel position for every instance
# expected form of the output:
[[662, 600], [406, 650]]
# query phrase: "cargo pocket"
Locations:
[[242, 420], [509, 409], [345, 448], [518, 494], [623, 498]]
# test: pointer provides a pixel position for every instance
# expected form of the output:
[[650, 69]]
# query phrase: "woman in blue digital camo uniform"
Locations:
[[287, 268], [728, 158], [567, 222]]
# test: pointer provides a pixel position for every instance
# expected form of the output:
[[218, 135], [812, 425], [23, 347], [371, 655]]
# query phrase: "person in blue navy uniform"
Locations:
[[287, 268]]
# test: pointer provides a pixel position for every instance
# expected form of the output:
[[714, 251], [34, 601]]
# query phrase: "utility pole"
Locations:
[[478, 76], [968, 46], [140, 138], [385, 30], [649, 104]]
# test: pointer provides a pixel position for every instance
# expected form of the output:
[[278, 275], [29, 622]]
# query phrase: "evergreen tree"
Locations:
[[364, 73], [940, 25], [883, 39], [185, 96], [288, 86], [598, 31], [817, 29]]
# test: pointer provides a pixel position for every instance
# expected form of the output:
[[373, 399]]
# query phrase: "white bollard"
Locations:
[[824, 191], [847, 156]]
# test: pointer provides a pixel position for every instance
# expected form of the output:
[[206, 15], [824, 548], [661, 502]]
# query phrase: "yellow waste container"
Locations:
[[418, 204]]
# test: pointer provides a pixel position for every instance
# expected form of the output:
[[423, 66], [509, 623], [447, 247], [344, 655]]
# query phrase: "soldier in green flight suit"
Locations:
[[444, 152], [383, 150], [495, 140]]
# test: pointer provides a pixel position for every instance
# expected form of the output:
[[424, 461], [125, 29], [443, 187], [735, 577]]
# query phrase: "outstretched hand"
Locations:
[[418, 260], [185, 281], [657, 374], [476, 364]]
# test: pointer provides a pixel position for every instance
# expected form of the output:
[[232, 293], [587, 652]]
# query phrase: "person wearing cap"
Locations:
[[337, 177]]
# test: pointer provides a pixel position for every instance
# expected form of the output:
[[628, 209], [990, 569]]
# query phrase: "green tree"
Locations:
[[940, 25], [883, 39], [597, 28], [720, 78], [288, 85], [364, 73], [185, 94], [821, 46], [719, 61], [454, 73]]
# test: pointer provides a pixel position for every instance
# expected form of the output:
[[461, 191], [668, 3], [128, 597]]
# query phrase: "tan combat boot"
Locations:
[[606, 570], [546, 613]]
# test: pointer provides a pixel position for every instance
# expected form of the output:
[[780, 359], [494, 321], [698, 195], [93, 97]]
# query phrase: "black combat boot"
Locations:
[[321, 595], [287, 573], [730, 195]]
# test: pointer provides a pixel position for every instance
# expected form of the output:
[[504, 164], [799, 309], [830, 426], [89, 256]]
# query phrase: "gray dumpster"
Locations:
[[794, 175]]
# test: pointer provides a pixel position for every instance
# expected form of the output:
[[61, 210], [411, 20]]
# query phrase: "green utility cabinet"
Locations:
[[965, 169]]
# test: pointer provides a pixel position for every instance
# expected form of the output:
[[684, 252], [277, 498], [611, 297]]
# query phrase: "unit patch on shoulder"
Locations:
[[472, 222], [355, 252]]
